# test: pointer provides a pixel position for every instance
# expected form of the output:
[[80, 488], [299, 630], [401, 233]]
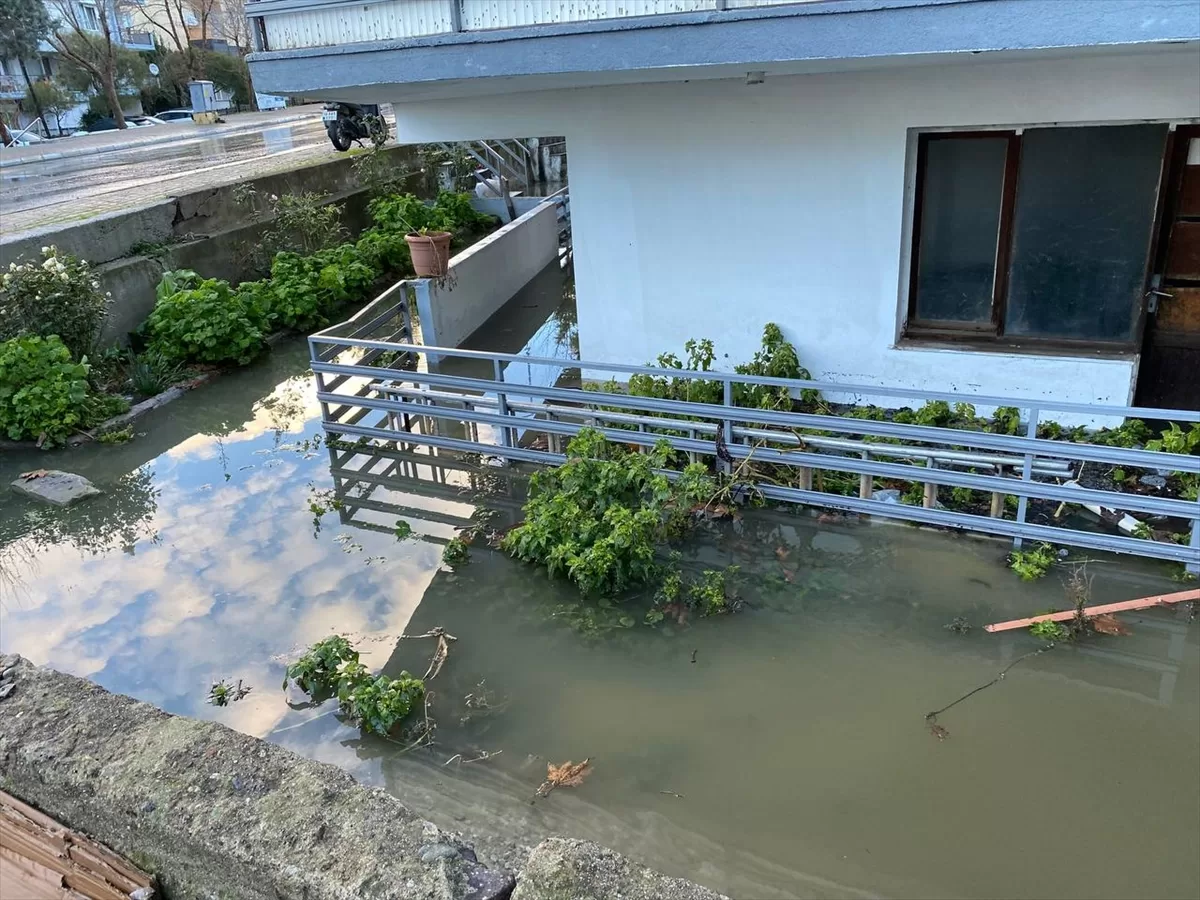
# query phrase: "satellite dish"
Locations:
[[153, 68]]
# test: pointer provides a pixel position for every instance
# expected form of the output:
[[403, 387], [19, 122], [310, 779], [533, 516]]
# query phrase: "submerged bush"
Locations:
[[59, 295], [204, 320], [598, 518]]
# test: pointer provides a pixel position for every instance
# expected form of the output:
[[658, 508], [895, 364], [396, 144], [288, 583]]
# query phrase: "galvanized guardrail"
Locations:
[[367, 394]]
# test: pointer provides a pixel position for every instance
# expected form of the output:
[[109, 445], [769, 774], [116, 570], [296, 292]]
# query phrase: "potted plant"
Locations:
[[430, 250]]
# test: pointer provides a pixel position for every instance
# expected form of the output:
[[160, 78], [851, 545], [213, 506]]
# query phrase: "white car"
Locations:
[[24, 138], [174, 115]]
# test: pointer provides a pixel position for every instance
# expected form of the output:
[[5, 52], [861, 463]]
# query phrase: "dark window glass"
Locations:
[[1081, 230], [960, 220]]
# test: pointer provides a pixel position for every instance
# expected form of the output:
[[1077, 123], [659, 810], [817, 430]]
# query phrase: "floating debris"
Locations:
[[222, 693], [566, 774]]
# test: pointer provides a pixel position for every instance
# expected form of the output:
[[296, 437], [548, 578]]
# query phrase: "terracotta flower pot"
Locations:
[[430, 252]]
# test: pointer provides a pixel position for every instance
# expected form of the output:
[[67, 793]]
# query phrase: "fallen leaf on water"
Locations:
[[1108, 624], [938, 731], [781, 553], [36, 473], [789, 575], [566, 774]]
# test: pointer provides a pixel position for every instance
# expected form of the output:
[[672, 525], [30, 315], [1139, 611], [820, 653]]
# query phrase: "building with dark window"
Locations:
[[990, 196]]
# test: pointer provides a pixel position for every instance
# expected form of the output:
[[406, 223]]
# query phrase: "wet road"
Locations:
[[80, 187]]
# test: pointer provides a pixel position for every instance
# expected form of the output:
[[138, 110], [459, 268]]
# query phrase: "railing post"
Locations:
[[506, 434], [1193, 567], [806, 478], [866, 483], [727, 425], [931, 488], [997, 508], [1026, 470]]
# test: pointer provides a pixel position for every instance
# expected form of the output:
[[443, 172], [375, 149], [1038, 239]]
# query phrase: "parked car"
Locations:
[[175, 115], [25, 138], [142, 121]]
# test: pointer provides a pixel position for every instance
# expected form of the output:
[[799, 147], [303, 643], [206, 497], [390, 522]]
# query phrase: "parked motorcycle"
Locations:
[[346, 123]]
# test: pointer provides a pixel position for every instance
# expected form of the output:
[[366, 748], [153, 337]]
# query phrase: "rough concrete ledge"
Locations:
[[219, 815], [565, 869], [215, 813]]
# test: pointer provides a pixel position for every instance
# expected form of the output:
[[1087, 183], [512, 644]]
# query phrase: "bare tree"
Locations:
[[92, 46], [232, 26], [171, 16]]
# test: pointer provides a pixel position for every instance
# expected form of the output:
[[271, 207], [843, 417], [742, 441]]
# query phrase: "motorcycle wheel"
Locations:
[[339, 135]]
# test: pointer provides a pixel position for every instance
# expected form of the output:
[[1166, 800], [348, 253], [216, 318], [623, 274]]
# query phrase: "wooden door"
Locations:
[[1169, 376]]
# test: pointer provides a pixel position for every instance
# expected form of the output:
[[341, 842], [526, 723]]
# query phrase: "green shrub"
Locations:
[[385, 251], [57, 295], [304, 290], [407, 213], [599, 517], [203, 320], [1007, 420], [777, 358], [936, 413], [43, 393], [1176, 440]]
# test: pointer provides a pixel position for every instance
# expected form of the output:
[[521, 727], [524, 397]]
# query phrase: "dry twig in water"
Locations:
[[441, 651]]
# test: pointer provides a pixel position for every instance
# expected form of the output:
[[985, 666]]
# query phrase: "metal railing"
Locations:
[[290, 24], [395, 397]]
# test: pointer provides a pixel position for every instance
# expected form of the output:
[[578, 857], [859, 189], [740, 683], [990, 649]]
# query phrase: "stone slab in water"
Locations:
[[58, 488]]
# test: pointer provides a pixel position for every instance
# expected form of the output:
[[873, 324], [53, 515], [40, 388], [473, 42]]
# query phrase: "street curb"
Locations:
[[163, 139]]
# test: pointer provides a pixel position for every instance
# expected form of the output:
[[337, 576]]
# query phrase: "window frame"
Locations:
[[991, 336]]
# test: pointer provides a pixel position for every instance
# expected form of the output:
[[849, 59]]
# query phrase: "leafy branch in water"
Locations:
[[376, 703]]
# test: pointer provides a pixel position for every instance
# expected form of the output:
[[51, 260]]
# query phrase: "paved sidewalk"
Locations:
[[45, 193], [115, 141]]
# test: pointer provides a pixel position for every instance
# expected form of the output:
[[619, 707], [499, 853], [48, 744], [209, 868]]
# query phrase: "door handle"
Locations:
[[1152, 299]]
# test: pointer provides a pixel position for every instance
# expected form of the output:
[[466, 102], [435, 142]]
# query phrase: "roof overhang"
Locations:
[[805, 37]]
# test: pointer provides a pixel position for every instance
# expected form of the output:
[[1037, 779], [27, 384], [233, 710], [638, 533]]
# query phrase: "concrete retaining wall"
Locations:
[[215, 813], [485, 276], [208, 231]]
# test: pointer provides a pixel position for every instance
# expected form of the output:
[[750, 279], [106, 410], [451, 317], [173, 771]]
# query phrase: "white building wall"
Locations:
[[706, 209]]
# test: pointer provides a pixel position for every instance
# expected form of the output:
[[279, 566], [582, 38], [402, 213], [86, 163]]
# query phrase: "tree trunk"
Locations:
[[5, 137], [114, 101], [36, 106], [252, 97]]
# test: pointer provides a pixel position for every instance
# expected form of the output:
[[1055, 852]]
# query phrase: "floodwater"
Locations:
[[780, 752]]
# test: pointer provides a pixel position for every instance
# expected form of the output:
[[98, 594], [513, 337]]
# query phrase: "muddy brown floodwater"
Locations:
[[789, 759]]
